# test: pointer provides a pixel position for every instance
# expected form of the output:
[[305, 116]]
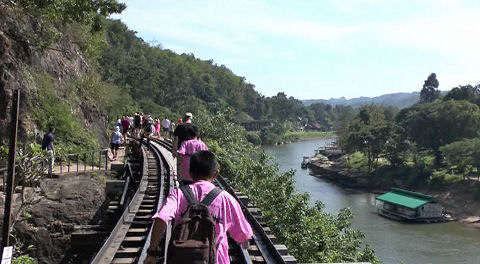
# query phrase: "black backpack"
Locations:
[[193, 239]]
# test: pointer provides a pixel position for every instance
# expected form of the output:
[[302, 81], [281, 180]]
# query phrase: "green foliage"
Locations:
[[50, 110], [432, 143], [87, 12], [53, 17], [466, 92], [311, 134], [24, 259], [372, 132], [357, 161], [310, 234], [442, 178], [411, 176], [278, 132], [159, 79], [93, 44], [463, 156], [27, 215], [432, 125], [254, 138], [3, 154], [429, 92]]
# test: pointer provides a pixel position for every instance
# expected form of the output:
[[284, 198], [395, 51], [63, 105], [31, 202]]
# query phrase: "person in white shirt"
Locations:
[[165, 126]]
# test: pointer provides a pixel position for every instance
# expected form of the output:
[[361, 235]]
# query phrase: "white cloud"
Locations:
[[240, 25], [258, 32], [453, 34]]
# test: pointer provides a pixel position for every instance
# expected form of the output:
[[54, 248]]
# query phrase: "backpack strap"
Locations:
[[211, 196], [188, 194]]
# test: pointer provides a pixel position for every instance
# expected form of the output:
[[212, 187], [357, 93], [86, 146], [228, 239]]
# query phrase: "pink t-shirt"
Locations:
[[186, 150], [225, 210]]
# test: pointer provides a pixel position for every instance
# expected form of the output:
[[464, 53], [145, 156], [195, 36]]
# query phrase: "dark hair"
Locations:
[[51, 129], [192, 131], [202, 165]]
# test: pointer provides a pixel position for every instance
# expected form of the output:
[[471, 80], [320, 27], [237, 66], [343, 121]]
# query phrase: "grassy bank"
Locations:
[[307, 135]]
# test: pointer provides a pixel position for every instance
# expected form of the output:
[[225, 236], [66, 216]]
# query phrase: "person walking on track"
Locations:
[[186, 150], [115, 142], [180, 133], [189, 245], [165, 127]]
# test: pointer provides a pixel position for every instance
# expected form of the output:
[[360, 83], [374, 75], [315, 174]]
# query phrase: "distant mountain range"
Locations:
[[399, 100]]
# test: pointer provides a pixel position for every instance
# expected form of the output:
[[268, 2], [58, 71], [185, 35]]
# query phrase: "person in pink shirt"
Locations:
[[225, 210], [186, 150], [157, 128]]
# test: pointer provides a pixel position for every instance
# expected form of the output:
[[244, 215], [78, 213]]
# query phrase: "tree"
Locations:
[[464, 92], [368, 133], [89, 12], [433, 125], [397, 146], [462, 156], [429, 91]]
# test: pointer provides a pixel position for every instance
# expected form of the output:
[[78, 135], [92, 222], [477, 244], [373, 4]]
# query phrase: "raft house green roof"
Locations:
[[405, 198]]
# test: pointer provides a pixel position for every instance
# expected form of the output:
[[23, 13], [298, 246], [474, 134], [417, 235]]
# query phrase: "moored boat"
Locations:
[[305, 162], [408, 206]]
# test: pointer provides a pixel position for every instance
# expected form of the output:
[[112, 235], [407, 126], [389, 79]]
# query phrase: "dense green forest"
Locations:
[[162, 82], [432, 143]]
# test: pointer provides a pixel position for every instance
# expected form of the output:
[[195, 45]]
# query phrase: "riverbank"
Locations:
[[301, 136], [460, 195], [450, 242], [311, 135]]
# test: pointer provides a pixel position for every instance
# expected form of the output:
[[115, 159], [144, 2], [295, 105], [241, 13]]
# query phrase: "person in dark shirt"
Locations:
[[181, 133], [125, 127], [47, 144], [137, 124]]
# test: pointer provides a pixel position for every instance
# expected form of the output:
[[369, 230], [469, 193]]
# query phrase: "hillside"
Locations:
[[53, 71], [398, 100], [163, 83]]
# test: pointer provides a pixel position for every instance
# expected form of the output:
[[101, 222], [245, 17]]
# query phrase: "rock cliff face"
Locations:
[[48, 218], [62, 61]]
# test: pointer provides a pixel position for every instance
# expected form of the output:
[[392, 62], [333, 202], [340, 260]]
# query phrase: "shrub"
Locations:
[[254, 138], [24, 259], [441, 178], [50, 110], [357, 161]]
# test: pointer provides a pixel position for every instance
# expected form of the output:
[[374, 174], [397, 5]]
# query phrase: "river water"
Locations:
[[393, 242]]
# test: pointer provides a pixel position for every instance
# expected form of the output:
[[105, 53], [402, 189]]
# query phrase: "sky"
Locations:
[[321, 49]]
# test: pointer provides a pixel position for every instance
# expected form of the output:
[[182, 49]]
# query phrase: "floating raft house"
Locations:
[[403, 205]]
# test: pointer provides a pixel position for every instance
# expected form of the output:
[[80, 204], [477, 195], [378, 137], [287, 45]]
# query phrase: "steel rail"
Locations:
[[127, 239], [269, 251], [115, 250], [169, 167]]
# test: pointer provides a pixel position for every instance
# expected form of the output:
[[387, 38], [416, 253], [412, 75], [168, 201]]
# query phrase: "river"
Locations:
[[393, 242]]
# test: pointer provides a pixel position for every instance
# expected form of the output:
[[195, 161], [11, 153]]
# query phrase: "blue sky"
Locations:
[[321, 49]]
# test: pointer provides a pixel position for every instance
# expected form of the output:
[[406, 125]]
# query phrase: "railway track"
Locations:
[[125, 245], [129, 239]]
